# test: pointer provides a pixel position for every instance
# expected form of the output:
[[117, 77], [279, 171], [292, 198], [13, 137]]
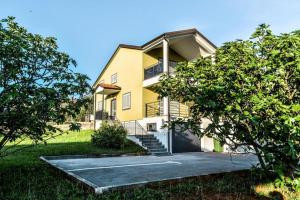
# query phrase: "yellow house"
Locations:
[[124, 90]]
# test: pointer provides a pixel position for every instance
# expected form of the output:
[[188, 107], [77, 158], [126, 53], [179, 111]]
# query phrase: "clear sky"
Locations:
[[90, 30]]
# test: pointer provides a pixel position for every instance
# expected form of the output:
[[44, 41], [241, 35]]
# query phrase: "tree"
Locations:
[[37, 85], [85, 111], [249, 90]]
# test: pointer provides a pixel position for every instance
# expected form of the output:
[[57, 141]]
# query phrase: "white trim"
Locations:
[[120, 166], [151, 81], [203, 43], [151, 45]]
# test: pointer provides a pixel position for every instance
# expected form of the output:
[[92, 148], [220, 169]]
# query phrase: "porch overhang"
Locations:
[[107, 89], [189, 44]]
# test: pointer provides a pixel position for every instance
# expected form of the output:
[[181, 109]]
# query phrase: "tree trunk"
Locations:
[[2, 142], [260, 158]]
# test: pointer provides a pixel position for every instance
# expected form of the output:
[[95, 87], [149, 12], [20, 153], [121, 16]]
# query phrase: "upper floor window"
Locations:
[[114, 78], [126, 101]]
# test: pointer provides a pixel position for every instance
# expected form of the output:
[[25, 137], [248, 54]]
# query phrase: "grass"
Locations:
[[24, 176], [73, 143]]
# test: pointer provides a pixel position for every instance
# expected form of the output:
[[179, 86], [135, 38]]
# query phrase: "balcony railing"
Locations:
[[157, 69], [100, 115], [177, 109], [154, 109]]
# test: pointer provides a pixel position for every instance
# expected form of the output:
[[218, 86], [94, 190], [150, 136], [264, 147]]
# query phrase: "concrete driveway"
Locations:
[[113, 172]]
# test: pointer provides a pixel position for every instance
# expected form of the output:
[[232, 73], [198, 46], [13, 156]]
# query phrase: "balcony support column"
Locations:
[[166, 101], [103, 106], [165, 56], [166, 70], [95, 102]]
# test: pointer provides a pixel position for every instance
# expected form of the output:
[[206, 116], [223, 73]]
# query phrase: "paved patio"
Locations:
[[107, 173]]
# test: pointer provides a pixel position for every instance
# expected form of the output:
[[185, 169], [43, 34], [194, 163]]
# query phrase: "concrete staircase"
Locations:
[[153, 145], [146, 140]]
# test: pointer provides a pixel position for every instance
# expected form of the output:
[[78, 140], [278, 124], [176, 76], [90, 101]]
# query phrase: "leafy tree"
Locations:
[[37, 85], [249, 90], [85, 110]]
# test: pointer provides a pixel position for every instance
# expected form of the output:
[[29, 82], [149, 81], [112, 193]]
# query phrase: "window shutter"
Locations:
[[114, 78], [126, 101]]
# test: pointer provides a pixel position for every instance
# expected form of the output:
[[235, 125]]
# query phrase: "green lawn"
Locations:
[[24, 176], [73, 143]]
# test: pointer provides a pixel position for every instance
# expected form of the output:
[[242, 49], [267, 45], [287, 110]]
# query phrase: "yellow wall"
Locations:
[[149, 96], [127, 63]]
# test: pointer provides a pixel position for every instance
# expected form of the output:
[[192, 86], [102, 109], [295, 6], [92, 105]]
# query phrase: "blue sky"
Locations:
[[90, 30]]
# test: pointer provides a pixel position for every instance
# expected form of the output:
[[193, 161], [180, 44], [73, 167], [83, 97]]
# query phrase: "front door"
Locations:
[[113, 108]]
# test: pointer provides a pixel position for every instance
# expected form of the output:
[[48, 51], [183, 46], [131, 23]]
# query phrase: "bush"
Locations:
[[110, 136]]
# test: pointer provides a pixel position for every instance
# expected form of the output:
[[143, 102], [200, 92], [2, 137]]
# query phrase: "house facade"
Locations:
[[124, 90]]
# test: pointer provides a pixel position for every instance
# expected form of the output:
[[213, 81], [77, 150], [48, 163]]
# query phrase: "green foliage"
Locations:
[[37, 84], [282, 181], [110, 136], [250, 93], [85, 110], [217, 146]]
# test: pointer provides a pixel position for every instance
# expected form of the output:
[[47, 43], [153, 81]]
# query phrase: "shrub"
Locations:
[[110, 136]]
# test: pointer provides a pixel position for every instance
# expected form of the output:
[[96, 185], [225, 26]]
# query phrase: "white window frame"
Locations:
[[126, 101], [114, 78]]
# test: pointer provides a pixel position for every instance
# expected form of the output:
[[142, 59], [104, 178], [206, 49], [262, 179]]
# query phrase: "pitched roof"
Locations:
[[178, 33]]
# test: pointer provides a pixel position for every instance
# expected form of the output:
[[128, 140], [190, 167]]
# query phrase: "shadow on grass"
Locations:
[[40, 181], [276, 195]]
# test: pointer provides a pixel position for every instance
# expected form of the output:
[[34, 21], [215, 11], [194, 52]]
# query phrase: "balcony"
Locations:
[[152, 73], [177, 110], [100, 115], [157, 69]]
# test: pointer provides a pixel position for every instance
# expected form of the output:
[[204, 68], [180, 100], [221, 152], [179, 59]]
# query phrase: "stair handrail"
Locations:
[[137, 126]]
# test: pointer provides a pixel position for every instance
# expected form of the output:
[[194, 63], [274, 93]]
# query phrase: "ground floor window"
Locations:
[[151, 127], [126, 101]]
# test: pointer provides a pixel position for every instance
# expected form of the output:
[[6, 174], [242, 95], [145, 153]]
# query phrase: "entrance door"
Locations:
[[113, 108]]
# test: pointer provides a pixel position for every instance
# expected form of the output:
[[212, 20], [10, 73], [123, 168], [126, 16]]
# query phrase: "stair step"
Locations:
[[154, 145], [161, 154], [150, 141], [157, 150], [146, 137]]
